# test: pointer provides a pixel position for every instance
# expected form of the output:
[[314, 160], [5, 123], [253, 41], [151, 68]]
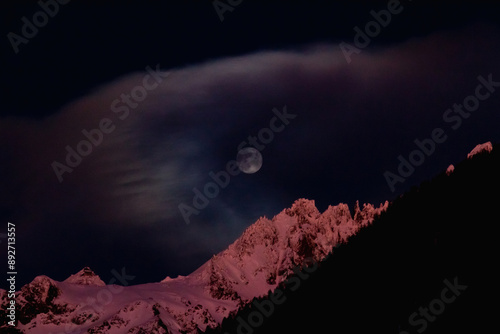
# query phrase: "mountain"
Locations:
[[85, 277], [297, 272], [425, 265], [264, 256]]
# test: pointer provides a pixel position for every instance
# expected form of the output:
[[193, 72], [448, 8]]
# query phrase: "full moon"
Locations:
[[249, 160]]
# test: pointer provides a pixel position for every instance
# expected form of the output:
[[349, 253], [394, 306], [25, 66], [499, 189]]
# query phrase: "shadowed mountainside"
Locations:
[[388, 275]]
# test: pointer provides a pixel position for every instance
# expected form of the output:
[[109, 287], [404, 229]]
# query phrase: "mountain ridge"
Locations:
[[264, 255], [435, 240]]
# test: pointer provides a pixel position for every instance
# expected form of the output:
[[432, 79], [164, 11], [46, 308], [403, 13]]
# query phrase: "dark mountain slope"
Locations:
[[443, 230]]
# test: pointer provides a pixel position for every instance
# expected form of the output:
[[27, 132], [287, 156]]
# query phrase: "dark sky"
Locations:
[[119, 206]]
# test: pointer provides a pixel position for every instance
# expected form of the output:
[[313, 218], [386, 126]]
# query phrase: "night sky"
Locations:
[[349, 119]]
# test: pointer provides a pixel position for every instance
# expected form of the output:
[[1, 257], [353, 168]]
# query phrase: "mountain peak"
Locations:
[[365, 215], [303, 208], [85, 277], [268, 250], [265, 255], [488, 147]]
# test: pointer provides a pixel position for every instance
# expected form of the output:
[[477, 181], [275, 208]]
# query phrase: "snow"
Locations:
[[264, 255], [488, 147], [85, 277], [450, 169]]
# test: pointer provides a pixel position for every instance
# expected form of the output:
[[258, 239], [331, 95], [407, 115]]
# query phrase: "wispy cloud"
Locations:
[[353, 119]]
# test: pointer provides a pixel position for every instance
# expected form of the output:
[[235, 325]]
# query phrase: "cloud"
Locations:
[[354, 120]]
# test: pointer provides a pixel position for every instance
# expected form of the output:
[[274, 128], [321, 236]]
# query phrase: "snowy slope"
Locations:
[[264, 255]]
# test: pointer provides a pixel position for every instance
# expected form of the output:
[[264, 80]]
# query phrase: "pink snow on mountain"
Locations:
[[488, 147], [261, 258]]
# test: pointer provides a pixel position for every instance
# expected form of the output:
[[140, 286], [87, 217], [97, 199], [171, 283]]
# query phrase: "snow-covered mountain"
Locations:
[[264, 255], [85, 277]]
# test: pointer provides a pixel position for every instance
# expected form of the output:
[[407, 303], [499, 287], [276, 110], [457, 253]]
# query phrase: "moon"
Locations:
[[249, 160]]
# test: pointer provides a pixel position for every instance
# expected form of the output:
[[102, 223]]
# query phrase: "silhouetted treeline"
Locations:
[[444, 230]]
